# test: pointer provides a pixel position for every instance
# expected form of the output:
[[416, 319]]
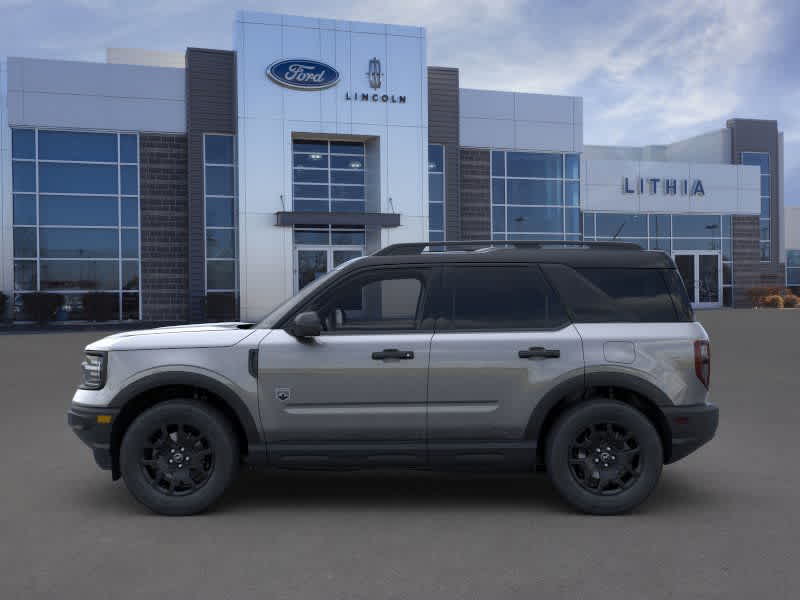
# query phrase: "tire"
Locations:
[[604, 457], [207, 454]]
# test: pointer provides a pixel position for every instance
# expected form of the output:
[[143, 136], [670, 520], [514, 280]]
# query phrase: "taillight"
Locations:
[[702, 361]]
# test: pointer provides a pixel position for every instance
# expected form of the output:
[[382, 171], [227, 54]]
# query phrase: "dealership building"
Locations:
[[213, 184]]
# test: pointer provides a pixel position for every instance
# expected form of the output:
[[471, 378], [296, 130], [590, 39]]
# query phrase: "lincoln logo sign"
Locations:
[[302, 74], [667, 186]]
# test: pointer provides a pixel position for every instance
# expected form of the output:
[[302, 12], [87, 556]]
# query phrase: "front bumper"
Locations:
[[691, 426], [94, 432]]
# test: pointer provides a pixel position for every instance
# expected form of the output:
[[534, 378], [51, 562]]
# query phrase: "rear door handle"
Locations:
[[539, 352], [393, 353]]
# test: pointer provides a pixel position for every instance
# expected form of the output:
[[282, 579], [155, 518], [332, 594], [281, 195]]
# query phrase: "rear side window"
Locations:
[[499, 298], [602, 295]]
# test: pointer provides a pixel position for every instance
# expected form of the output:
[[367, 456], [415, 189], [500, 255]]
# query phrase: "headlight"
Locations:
[[93, 371]]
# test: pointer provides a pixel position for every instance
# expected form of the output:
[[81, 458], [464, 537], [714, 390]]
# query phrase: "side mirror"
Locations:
[[306, 325]]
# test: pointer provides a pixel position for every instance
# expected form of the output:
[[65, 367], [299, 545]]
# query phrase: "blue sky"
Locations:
[[649, 72]]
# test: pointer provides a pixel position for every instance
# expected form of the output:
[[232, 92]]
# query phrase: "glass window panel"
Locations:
[[315, 160], [572, 189], [727, 249], [765, 185], [436, 187], [588, 225], [498, 218], [310, 146], [763, 229], [219, 212], [346, 162], [696, 225], [660, 226], [765, 207], [220, 243], [727, 273], [130, 274], [525, 219], [130, 212], [348, 238], [435, 158], [573, 237], [23, 143], [527, 191], [759, 159], [664, 244], [352, 177], [727, 296], [311, 237], [793, 258], [221, 274], [77, 145], [348, 192], [219, 181], [499, 236], [793, 277], [727, 225], [77, 179], [130, 307], [129, 180], [436, 236], [77, 210], [79, 275], [573, 166], [347, 148], [498, 191], [311, 205], [531, 164], [128, 148], [23, 176], [219, 149], [498, 163], [25, 242], [436, 216], [130, 243], [24, 209], [311, 175], [348, 206], [766, 251], [621, 225], [310, 191], [56, 242], [25, 275], [572, 220], [695, 244]]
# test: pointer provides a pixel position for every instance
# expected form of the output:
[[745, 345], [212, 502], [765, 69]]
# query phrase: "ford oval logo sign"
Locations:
[[303, 74]]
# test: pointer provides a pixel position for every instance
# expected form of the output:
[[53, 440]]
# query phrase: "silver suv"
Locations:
[[580, 358]]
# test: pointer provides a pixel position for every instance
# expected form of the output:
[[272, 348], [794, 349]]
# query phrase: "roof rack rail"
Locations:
[[473, 245]]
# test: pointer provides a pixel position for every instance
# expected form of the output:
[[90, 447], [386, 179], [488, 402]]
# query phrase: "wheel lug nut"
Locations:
[[182, 448], [170, 460], [607, 448], [597, 460], [605, 464], [172, 450]]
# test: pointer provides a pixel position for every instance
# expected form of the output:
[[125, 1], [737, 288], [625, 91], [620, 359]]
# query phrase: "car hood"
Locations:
[[207, 335]]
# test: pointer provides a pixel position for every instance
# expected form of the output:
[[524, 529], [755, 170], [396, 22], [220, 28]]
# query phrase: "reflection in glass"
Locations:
[[66, 178], [77, 210], [221, 274], [55, 242], [79, 275], [220, 243]]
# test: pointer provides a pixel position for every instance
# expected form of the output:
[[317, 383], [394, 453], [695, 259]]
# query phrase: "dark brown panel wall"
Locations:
[[210, 108], [746, 253], [443, 129], [475, 200]]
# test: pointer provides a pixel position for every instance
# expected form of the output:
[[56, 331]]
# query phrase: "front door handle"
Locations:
[[539, 352], [393, 353]]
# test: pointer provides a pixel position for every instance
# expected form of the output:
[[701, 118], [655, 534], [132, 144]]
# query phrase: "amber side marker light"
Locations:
[[104, 419]]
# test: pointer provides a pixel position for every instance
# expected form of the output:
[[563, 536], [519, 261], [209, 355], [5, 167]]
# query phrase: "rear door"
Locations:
[[503, 340]]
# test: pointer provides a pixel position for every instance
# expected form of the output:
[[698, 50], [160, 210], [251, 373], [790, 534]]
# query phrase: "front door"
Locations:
[[314, 261], [702, 274], [362, 383]]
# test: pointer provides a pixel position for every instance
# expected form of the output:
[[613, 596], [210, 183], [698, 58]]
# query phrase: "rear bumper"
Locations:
[[691, 426], [83, 421]]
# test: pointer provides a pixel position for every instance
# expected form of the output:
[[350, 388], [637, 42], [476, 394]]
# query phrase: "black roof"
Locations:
[[574, 254]]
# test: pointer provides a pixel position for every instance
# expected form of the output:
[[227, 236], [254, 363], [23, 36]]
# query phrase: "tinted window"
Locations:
[[599, 295], [497, 297], [74, 145]]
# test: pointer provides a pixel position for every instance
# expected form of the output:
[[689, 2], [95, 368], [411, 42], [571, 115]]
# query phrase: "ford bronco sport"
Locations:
[[581, 358]]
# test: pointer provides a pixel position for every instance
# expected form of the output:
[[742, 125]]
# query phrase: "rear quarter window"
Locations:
[[600, 295]]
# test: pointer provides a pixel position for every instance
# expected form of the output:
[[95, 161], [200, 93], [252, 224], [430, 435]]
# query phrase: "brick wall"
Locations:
[[476, 219], [165, 231], [748, 271]]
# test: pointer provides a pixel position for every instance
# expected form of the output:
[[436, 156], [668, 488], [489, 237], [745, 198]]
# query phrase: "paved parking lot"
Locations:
[[722, 524]]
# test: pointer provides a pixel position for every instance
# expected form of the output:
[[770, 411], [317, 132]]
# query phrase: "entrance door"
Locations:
[[314, 261], [702, 274]]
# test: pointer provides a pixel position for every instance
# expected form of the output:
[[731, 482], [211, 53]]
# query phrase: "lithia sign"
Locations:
[[306, 74], [667, 186]]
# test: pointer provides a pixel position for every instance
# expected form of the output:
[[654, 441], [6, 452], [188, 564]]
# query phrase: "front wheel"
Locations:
[[604, 457], [178, 457]]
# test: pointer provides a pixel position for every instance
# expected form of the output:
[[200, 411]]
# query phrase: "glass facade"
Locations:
[[761, 160], [328, 176], [76, 221], [436, 192], [219, 158], [321, 248], [535, 195], [670, 233], [793, 268]]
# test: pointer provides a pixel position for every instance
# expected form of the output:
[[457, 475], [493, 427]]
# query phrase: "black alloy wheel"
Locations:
[[177, 459], [604, 459]]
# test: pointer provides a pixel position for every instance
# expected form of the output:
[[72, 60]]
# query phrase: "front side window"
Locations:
[[499, 298]]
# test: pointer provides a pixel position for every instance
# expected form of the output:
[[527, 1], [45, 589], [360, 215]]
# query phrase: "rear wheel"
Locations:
[[178, 457], [604, 457]]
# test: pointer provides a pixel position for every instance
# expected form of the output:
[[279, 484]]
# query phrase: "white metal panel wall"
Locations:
[[269, 115], [83, 95], [491, 119]]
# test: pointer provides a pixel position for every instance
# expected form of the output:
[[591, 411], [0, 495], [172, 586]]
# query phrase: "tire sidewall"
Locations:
[[217, 431], [601, 411]]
